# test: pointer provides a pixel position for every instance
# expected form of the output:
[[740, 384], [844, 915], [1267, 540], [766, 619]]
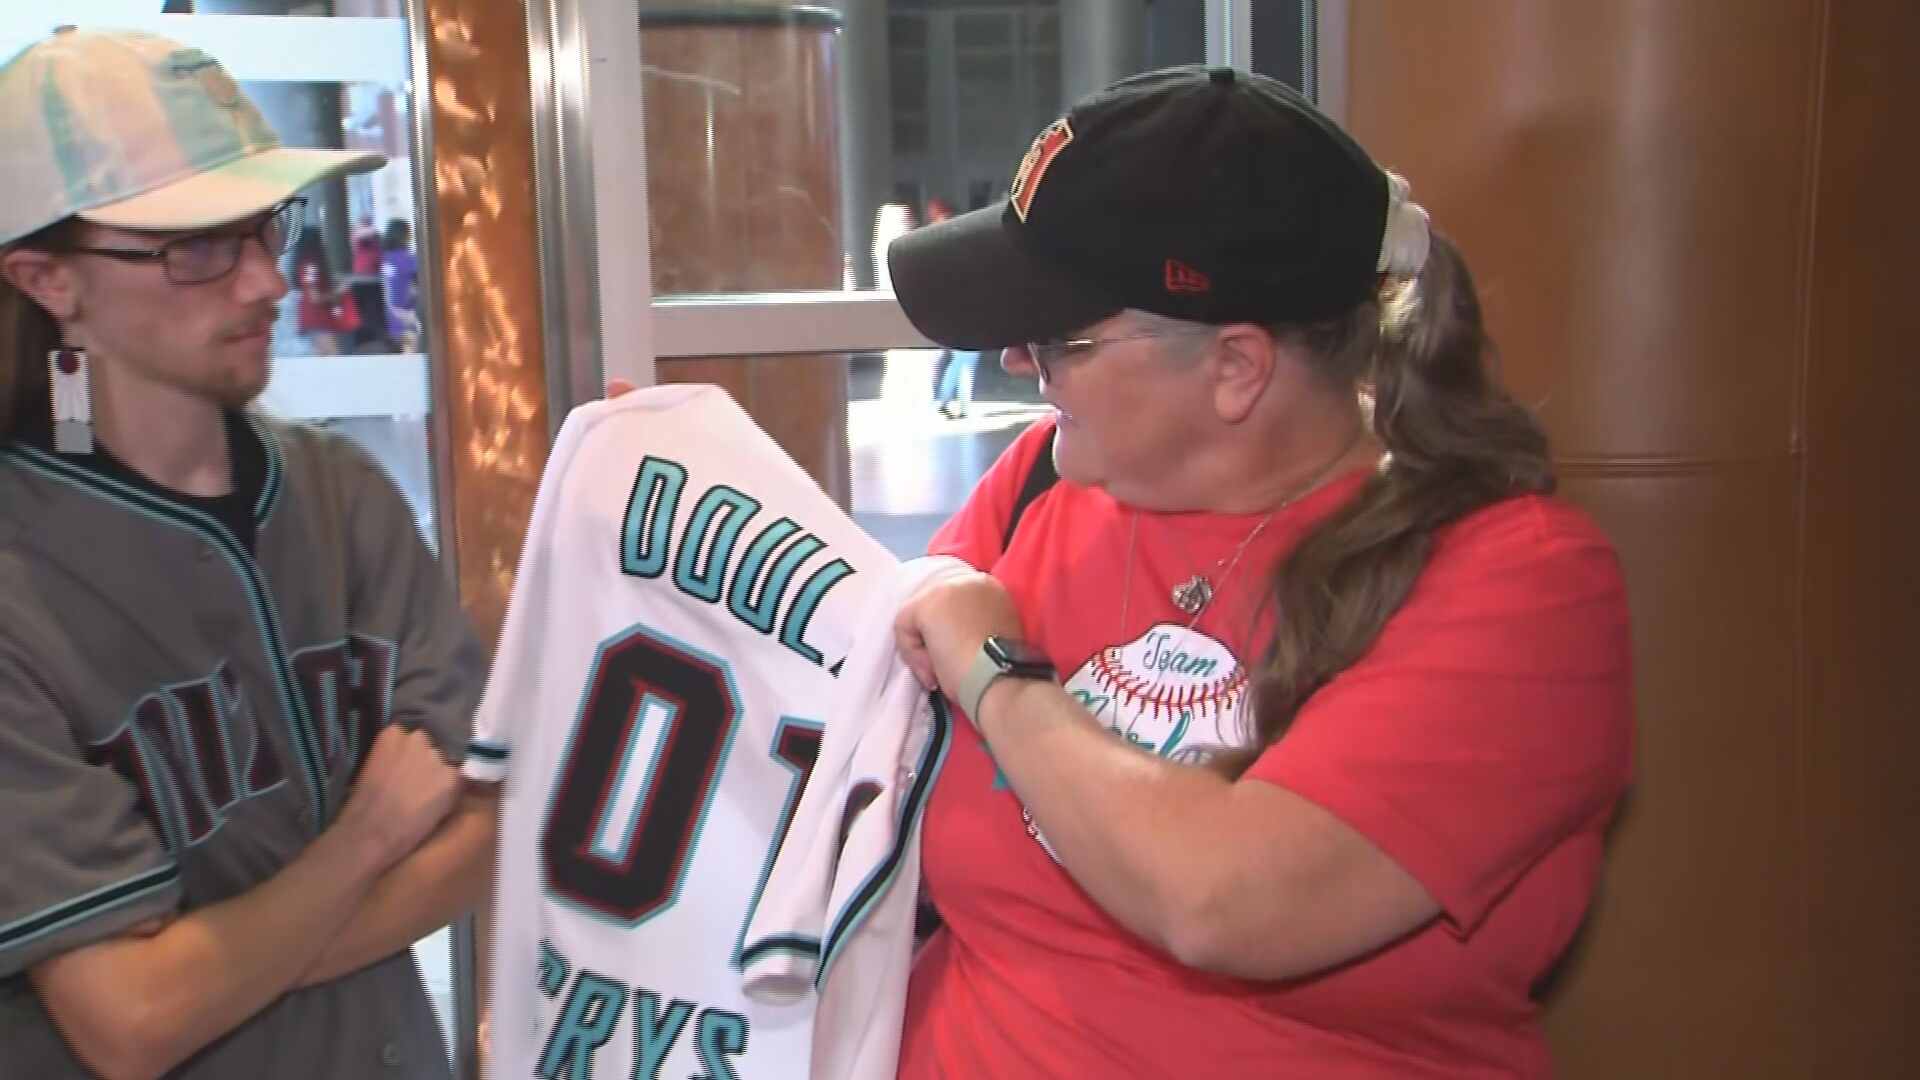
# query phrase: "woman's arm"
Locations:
[[1235, 877]]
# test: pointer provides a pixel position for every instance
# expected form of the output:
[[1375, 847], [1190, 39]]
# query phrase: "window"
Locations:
[[782, 150]]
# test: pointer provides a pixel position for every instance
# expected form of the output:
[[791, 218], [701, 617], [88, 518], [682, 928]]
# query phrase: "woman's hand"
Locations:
[[941, 627]]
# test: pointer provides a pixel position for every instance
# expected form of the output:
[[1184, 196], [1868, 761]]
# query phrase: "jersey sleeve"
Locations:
[[836, 915], [1492, 719], [78, 862], [398, 593], [975, 531]]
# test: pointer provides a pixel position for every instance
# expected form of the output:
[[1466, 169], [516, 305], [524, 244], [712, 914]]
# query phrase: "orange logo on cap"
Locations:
[[1034, 165], [1184, 278]]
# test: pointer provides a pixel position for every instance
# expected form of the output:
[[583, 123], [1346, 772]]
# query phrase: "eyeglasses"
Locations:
[[1048, 353], [206, 257]]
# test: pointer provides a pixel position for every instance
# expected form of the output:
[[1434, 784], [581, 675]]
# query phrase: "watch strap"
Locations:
[[973, 685], [990, 665]]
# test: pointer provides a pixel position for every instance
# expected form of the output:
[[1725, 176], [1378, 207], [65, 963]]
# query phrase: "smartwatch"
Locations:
[[1000, 658]]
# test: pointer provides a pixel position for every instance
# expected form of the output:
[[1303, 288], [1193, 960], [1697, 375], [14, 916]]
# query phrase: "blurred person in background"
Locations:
[[954, 374], [325, 313], [400, 280]]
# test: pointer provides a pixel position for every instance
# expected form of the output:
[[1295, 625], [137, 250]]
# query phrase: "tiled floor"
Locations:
[[912, 467]]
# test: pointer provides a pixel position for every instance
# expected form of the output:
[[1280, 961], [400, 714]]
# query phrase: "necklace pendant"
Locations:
[[1193, 594]]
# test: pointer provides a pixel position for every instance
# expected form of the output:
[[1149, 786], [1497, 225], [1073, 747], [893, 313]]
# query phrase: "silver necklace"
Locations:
[[1193, 595]]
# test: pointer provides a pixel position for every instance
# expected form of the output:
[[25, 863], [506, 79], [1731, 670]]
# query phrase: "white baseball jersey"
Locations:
[[654, 712], [836, 920]]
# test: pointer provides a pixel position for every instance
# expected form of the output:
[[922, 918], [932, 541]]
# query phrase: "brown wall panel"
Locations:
[[1862, 520], [1696, 929], [1629, 182], [1694, 228]]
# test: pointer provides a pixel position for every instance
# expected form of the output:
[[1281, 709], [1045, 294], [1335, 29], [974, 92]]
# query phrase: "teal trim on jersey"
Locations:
[[637, 730], [649, 518], [190, 756], [23, 932], [487, 751], [554, 970], [275, 480], [574, 1039], [223, 708], [794, 791], [266, 620], [705, 582], [798, 945], [161, 781], [793, 632], [343, 738], [655, 1030], [718, 1036], [220, 820], [173, 826], [333, 738], [932, 758], [760, 613], [700, 818], [386, 692]]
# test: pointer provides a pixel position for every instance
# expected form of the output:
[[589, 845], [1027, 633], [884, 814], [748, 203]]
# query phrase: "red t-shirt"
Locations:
[[1483, 743]]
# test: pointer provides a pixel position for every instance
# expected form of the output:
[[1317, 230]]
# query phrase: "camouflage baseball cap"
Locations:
[[132, 130]]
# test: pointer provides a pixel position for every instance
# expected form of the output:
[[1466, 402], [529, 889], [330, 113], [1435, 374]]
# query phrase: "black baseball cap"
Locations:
[[1205, 194]]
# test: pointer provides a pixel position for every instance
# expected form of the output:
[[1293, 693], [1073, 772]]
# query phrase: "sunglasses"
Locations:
[[206, 257]]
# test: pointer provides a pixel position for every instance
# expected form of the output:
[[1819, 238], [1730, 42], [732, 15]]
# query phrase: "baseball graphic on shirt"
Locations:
[[1172, 691]]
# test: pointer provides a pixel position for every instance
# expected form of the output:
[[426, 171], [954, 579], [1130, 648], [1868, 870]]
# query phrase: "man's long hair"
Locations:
[[27, 335]]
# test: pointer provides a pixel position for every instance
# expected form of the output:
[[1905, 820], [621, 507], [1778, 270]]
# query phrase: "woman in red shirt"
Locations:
[[320, 313], [1299, 705]]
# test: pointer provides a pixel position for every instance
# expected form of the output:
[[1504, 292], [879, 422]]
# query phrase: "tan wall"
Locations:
[[1695, 229]]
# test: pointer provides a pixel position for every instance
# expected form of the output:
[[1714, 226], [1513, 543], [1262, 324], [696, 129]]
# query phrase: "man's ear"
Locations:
[[1245, 360], [45, 278]]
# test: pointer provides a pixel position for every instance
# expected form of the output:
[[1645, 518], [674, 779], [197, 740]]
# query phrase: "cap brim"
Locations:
[[233, 191], [967, 284]]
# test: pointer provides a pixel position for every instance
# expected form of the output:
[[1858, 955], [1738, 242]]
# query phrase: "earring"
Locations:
[[72, 401]]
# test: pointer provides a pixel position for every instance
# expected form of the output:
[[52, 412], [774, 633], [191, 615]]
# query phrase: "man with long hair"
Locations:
[[231, 675]]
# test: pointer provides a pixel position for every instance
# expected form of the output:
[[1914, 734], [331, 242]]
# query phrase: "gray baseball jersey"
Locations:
[[180, 716]]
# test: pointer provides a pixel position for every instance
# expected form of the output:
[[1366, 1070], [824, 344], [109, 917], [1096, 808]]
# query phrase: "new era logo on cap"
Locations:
[[1034, 166], [1182, 278]]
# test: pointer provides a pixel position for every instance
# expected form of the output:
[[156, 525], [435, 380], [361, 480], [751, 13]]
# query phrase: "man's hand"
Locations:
[[139, 1004], [404, 792]]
